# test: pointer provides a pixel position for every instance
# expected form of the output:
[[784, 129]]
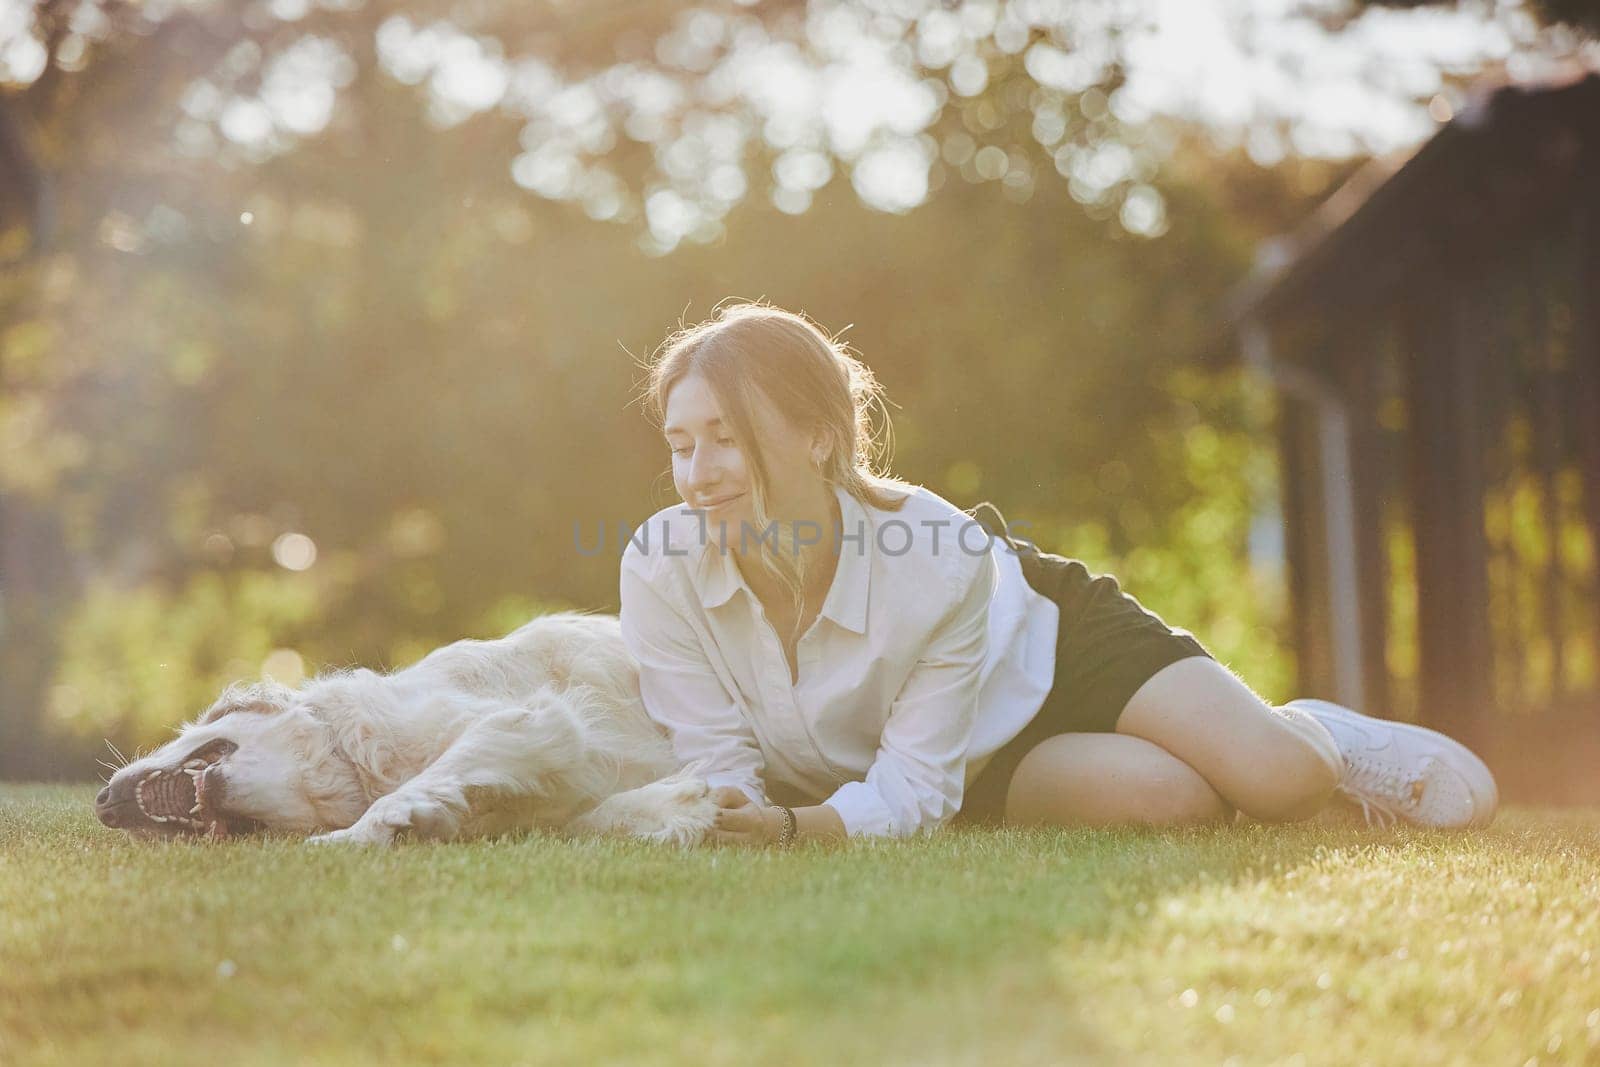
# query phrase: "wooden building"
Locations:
[[1433, 334]]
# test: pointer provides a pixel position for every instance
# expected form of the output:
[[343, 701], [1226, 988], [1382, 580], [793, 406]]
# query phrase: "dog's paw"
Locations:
[[687, 812], [674, 811], [349, 835], [381, 823], [355, 835]]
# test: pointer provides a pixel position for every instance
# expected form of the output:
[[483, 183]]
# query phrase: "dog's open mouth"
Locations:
[[178, 799]]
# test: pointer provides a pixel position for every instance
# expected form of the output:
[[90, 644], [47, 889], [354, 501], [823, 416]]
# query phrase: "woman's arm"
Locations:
[[743, 823], [917, 779], [682, 692]]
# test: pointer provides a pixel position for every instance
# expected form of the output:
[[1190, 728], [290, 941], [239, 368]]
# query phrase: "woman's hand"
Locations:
[[730, 796], [739, 822]]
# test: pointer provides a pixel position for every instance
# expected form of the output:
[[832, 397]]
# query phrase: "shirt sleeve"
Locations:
[[916, 780], [683, 694]]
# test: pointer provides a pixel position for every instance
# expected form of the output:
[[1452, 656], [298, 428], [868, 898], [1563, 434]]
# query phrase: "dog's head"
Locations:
[[257, 759]]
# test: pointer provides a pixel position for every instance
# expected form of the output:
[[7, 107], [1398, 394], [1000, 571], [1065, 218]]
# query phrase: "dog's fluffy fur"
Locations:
[[541, 728]]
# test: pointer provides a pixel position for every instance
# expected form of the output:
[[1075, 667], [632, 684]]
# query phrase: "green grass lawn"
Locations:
[[1319, 943]]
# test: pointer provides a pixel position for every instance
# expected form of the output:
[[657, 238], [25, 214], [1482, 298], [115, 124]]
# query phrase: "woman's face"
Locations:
[[709, 470]]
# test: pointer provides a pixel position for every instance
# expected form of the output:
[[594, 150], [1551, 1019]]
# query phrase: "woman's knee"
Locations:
[[1267, 763], [1298, 777], [1290, 802], [1109, 780]]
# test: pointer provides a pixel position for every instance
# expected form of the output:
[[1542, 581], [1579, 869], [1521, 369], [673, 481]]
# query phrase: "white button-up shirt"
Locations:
[[929, 653]]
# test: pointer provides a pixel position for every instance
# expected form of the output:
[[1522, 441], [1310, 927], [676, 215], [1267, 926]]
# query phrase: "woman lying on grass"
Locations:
[[848, 654]]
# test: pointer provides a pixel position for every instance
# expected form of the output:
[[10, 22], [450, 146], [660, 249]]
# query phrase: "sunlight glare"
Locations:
[[294, 551]]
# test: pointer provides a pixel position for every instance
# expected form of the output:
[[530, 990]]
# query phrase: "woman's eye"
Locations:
[[683, 451]]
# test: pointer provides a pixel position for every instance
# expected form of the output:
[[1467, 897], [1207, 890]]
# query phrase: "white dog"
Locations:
[[542, 728]]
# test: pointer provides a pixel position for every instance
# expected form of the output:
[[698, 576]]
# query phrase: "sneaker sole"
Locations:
[[1458, 757]]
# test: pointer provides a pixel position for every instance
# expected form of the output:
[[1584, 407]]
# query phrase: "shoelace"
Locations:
[[1380, 790]]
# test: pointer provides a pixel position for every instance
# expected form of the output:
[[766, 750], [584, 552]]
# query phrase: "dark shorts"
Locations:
[[1108, 645]]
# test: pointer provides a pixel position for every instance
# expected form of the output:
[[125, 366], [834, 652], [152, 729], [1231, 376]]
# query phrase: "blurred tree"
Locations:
[[1582, 15], [357, 291]]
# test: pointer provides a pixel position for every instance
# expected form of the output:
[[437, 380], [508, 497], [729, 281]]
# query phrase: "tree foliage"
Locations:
[[1581, 15], [410, 330]]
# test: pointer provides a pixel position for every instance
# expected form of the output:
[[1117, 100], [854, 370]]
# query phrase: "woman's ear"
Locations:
[[820, 450]]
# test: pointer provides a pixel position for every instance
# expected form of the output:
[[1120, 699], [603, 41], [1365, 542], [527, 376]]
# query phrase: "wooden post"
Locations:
[[1305, 545], [1549, 454], [1586, 370], [1447, 493], [1355, 368], [1321, 515], [1502, 401]]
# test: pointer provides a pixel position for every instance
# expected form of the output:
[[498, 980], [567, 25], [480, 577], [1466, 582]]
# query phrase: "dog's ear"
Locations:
[[259, 698]]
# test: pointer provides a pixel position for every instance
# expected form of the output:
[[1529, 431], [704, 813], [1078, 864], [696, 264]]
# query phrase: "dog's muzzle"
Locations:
[[161, 800]]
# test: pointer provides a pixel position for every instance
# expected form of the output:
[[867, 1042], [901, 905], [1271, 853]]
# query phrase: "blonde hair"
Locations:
[[813, 380]]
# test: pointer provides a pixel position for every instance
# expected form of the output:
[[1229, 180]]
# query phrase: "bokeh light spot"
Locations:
[[284, 665], [294, 551]]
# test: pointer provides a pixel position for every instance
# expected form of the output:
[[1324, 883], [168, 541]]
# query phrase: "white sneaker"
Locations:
[[1395, 770]]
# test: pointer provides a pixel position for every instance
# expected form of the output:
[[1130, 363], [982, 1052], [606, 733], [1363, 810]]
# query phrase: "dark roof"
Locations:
[[1515, 156]]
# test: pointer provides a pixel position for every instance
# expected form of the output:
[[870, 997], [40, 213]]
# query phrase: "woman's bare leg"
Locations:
[[1193, 744], [1273, 764], [1109, 780]]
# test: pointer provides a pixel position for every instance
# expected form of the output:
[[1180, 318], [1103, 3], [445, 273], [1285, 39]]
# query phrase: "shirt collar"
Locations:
[[846, 603], [718, 577]]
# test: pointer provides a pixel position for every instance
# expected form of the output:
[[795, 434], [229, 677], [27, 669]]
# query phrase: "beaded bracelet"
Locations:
[[787, 834]]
